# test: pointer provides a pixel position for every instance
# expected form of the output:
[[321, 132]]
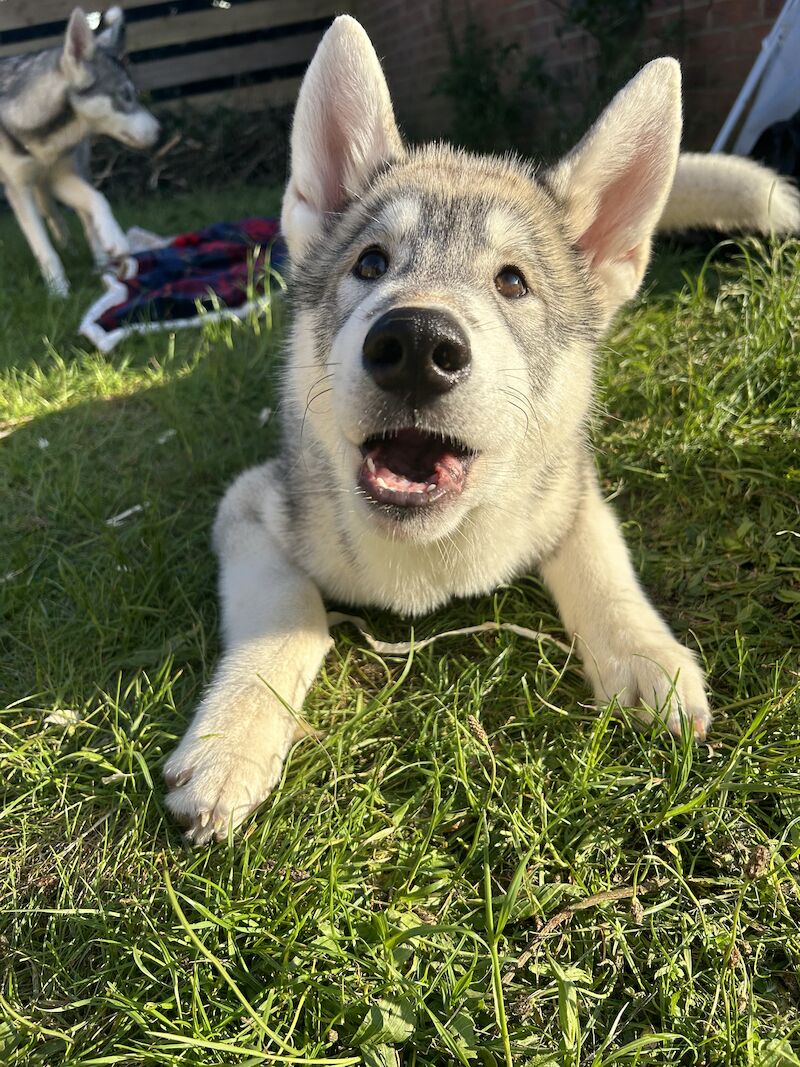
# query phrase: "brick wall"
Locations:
[[716, 41]]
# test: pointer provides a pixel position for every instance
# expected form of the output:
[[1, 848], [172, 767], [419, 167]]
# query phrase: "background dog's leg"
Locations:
[[77, 193], [49, 211], [81, 165], [276, 630], [627, 648], [92, 238], [23, 203]]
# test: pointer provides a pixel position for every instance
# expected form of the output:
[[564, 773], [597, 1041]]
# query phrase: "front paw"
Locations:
[[226, 765], [662, 681], [114, 245], [57, 285]]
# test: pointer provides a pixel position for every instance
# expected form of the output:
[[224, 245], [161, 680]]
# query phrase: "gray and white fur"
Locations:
[[51, 104], [436, 403]]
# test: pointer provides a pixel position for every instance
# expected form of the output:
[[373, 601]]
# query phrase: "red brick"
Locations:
[[722, 39]]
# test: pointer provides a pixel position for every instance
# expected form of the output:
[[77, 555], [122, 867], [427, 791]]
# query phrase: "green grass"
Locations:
[[468, 865]]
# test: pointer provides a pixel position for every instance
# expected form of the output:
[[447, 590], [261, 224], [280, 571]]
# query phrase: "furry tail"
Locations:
[[730, 193]]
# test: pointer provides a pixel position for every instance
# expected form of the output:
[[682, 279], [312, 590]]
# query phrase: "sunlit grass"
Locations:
[[469, 864]]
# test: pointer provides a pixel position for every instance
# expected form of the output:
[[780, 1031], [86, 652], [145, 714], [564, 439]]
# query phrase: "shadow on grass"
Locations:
[[108, 505], [370, 863]]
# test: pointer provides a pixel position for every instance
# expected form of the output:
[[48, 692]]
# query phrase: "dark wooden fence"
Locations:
[[241, 53]]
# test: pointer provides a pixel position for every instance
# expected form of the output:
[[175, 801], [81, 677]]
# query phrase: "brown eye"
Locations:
[[371, 264], [510, 283]]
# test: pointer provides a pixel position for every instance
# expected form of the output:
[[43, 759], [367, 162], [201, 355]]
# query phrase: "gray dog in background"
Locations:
[[51, 103], [436, 403]]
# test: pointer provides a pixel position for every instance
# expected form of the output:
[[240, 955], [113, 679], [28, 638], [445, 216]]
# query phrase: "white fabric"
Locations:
[[141, 240], [772, 88]]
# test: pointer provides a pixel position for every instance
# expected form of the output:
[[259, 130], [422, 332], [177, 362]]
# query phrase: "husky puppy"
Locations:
[[447, 307], [51, 102]]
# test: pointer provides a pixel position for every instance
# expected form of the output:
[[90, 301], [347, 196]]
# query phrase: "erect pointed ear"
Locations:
[[343, 129], [111, 37], [79, 47], [616, 181]]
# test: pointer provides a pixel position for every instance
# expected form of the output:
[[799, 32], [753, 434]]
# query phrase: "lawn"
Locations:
[[468, 864]]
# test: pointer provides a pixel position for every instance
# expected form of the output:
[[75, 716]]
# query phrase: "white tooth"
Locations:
[[430, 488], [370, 464], [381, 483]]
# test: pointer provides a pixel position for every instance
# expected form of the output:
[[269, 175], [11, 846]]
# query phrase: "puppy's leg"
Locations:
[[77, 193], [627, 649], [276, 635], [23, 203]]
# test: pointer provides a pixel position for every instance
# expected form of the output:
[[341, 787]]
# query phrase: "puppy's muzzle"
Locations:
[[417, 352]]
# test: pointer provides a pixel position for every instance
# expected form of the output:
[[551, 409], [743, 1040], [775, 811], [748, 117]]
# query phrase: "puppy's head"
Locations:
[[447, 305], [101, 90]]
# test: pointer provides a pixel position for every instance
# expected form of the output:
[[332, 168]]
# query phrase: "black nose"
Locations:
[[417, 351]]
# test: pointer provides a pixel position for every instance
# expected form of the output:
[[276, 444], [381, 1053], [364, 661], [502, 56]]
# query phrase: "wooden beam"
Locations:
[[243, 98], [199, 66], [187, 27], [17, 13]]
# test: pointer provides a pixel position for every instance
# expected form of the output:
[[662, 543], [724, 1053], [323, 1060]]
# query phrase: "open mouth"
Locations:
[[412, 468]]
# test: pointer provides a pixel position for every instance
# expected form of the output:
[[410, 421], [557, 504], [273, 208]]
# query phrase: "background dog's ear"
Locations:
[[616, 181], [79, 45], [343, 129], [111, 37]]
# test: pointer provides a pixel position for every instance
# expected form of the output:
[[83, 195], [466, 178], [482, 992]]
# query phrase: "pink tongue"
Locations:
[[447, 473], [406, 464]]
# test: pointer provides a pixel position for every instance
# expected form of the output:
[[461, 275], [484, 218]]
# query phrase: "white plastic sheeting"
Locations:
[[772, 88]]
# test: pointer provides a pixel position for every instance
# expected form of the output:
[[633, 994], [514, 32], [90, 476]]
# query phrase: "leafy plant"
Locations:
[[503, 99], [222, 145], [494, 90], [616, 28]]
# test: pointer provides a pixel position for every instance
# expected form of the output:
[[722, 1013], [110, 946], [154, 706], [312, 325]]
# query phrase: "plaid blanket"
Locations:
[[220, 271]]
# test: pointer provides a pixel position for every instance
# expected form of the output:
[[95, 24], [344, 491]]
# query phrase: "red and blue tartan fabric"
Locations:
[[222, 269]]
